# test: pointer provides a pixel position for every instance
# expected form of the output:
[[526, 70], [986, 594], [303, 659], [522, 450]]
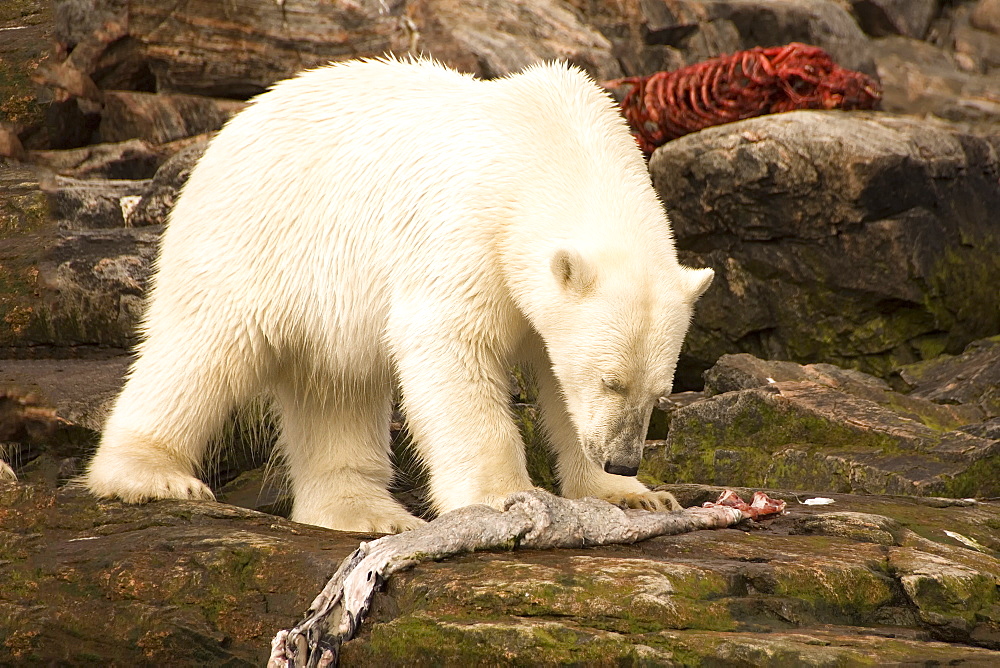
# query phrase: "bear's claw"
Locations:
[[139, 488], [655, 501]]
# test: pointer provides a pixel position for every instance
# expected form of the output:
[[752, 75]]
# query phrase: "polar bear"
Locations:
[[382, 225]]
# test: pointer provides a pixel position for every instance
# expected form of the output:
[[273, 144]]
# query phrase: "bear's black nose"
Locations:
[[621, 470]]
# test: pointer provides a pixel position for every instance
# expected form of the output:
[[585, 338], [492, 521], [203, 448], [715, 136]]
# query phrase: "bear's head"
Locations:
[[613, 333]]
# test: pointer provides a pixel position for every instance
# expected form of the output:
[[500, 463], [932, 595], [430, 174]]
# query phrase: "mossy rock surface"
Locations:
[[184, 583], [800, 434], [850, 586]]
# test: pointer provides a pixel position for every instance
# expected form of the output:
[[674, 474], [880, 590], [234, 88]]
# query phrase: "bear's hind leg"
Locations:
[[172, 404], [336, 446]]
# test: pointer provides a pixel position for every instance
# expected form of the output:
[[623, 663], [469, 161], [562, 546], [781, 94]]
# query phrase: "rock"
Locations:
[[26, 29], [76, 21], [963, 28], [804, 435], [707, 596], [989, 429], [23, 205], [72, 397], [814, 262], [650, 36], [911, 18], [131, 159], [195, 54], [980, 49], [497, 37], [821, 23], [162, 118], [869, 579], [23, 211], [83, 288], [79, 391], [10, 144], [487, 37], [986, 16], [923, 80], [76, 281], [741, 372], [744, 371], [162, 583], [41, 445], [972, 378], [79, 204], [157, 201]]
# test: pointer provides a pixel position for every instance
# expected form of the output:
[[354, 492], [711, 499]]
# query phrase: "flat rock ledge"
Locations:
[[875, 579]]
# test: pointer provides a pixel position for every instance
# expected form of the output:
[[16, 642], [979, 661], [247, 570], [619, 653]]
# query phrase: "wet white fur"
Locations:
[[381, 224]]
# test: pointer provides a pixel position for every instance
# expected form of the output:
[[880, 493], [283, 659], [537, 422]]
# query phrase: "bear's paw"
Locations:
[[359, 514], [135, 484]]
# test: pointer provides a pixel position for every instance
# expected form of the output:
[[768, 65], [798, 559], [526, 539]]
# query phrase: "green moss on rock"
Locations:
[[420, 640], [803, 436]]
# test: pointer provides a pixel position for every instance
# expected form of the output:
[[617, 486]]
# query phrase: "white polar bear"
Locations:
[[378, 224]]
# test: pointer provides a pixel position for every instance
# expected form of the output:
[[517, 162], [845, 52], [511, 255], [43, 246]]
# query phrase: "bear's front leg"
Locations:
[[457, 404], [578, 475]]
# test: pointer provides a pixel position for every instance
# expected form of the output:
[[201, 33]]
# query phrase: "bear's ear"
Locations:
[[698, 281], [572, 272]]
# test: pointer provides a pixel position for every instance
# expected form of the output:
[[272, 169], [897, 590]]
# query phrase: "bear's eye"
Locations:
[[613, 385]]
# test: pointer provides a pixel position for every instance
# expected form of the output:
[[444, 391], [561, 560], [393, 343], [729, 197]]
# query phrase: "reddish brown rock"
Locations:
[[162, 118]]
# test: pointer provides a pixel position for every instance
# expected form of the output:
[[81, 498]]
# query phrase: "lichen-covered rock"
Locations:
[[23, 205], [91, 285], [26, 28], [72, 271], [811, 589], [939, 411], [167, 584], [804, 435], [972, 378], [815, 261], [870, 579]]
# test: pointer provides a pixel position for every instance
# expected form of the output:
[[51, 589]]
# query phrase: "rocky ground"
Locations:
[[848, 347]]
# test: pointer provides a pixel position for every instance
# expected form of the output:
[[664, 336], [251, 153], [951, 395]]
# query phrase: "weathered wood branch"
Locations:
[[533, 520]]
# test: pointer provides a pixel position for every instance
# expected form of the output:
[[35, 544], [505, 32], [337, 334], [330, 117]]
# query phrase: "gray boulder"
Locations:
[[700, 29], [858, 239]]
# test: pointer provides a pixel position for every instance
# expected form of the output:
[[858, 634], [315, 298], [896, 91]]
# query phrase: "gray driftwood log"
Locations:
[[531, 520]]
